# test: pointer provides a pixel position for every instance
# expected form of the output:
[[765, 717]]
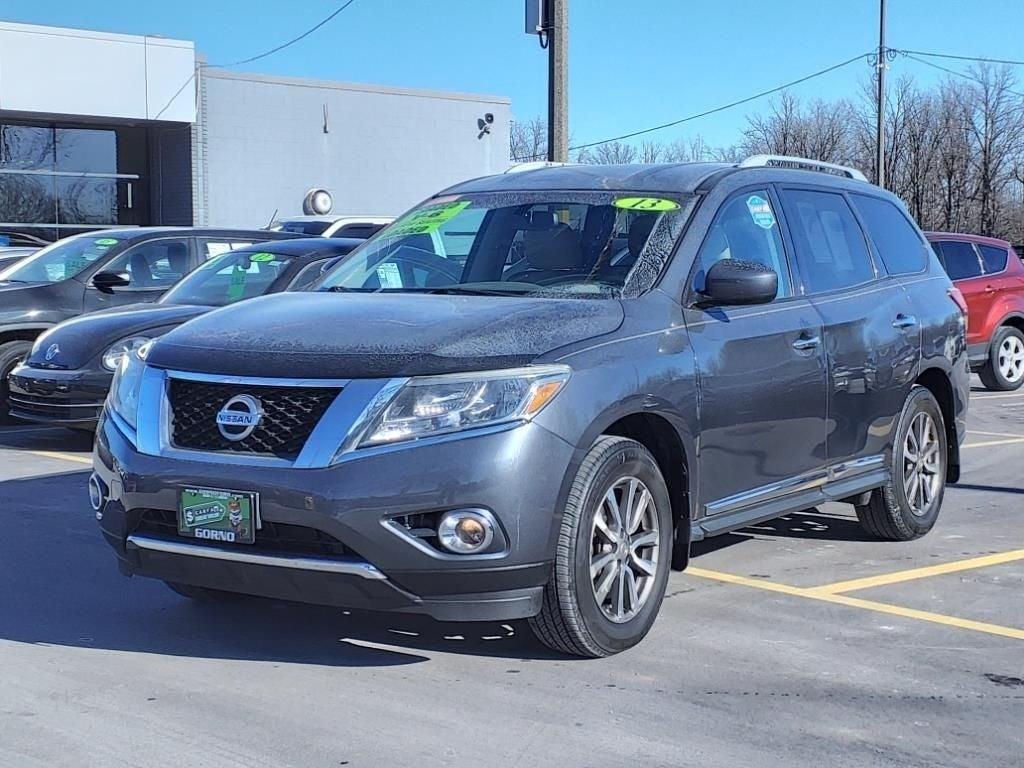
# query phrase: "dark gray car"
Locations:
[[99, 270], [528, 396]]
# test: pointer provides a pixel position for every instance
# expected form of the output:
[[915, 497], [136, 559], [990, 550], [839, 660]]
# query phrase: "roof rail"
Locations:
[[801, 164]]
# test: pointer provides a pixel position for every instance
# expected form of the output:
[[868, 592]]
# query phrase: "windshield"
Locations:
[[61, 260], [312, 228], [230, 277], [598, 244]]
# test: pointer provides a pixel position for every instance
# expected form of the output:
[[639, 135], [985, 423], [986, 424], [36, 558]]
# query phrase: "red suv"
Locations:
[[990, 275]]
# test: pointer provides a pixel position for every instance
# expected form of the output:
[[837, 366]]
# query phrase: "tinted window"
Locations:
[[364, 231], [313, 228], [830, 245], [308, 275], [993, 257], [153, 265], [746, 229], [960, 260], [897, 241], [60, 261]]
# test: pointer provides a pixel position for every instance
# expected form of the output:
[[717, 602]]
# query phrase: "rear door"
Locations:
[[872, 338], [761, 372]]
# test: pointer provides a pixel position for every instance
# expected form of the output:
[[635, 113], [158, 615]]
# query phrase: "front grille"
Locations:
[[289, 416], [271, 538]]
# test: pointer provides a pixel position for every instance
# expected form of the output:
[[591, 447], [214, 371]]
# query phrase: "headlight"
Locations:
[[113, 356], [124, 389], [435, 405]]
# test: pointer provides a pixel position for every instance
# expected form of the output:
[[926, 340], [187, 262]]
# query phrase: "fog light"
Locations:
[[96, 495], [465, 531]]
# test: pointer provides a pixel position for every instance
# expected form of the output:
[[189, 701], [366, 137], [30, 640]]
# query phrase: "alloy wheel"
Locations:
[[922, 464], [1011, 359], [624, 549]]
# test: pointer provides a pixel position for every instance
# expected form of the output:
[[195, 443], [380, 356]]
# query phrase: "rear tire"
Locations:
[[908, 505], [1004, 371], [11, 353], [613, 554], [202, 594]]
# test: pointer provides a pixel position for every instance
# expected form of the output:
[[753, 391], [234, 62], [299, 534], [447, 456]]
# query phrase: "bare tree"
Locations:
[[528, 140]]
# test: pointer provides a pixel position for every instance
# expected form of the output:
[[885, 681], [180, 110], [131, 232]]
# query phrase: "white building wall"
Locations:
[[378, 151], [58, 71]]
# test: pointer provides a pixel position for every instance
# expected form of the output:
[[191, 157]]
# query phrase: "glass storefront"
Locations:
[[58, 180]]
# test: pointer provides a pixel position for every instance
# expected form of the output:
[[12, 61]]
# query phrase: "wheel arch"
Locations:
[[936, 381]]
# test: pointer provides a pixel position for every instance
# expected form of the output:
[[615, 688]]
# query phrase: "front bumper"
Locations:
[[517, 474], [54, 396]]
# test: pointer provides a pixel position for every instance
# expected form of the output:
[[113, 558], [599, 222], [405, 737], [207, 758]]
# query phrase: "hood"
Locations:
[[352, 335], [82, 338]]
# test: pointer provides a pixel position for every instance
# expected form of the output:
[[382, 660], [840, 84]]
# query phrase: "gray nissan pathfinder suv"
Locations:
[[529, 395]]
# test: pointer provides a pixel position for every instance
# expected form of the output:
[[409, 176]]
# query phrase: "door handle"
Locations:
[[990, 288], [806, 342], [904, 322]]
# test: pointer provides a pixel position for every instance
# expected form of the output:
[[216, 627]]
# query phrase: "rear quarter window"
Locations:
[[994, 258], [960, 259], [898, 244]]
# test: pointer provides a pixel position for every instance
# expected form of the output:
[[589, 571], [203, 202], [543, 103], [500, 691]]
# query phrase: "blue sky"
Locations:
[[632, 64]]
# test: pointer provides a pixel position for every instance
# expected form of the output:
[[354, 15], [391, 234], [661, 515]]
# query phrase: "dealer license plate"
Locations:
[[216, 515]]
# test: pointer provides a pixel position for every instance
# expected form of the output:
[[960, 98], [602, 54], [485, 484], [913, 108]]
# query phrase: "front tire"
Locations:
[[1004, 371], [908, 505], [613, 554]]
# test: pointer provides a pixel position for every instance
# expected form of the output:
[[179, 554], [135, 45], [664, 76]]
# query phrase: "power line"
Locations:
[[964, 75], [1014, 62], [721, 108], [263, 55], [294, 40]]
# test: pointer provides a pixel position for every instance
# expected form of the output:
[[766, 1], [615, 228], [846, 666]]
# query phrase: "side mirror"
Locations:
[[106, 282], [736, 282]]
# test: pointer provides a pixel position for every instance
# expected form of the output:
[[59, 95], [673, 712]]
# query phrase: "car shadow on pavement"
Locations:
[[809, 524], [61, 586], [989, 488]]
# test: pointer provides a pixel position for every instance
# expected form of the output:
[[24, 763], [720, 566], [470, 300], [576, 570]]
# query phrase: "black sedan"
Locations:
[[66, 376]]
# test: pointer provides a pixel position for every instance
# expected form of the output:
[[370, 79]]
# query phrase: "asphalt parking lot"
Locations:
[[795, 642]]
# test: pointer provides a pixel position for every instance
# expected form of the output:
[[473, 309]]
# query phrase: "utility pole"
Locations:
[[882, 58], [557, 24]]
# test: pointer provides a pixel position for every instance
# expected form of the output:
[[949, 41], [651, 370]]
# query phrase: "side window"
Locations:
[[993, 257], [897, 241], [960, 259], [363, 231], [745, 228], [830, 246], [208, 248], [307, 275], [155, 265]]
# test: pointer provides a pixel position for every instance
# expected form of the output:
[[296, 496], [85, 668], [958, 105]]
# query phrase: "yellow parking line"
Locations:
[[988, 443], [63, 456], [920, 573], [856, 602]]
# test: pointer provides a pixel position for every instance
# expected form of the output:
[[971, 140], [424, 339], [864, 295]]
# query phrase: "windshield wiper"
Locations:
[[470, 291]]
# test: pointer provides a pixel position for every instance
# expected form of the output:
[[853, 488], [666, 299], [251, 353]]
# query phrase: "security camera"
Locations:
[[488, 118]]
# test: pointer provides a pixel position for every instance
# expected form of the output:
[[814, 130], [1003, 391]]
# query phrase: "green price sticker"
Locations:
[[262, 257], [426, 220], [647, 204], [106, 241]]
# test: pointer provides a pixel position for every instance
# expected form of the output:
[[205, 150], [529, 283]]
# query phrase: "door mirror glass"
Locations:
[[106, 282], [736, 282]]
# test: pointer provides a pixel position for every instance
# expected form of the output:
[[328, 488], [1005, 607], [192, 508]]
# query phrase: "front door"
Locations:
[[872, 337], [761, 373], [152, 267]]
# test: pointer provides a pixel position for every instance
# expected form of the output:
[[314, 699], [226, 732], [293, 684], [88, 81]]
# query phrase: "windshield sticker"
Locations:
[[389, 276], [426, 220], [262, 257], [106, 241], [646, 204], [760, 212], [236, 288]]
